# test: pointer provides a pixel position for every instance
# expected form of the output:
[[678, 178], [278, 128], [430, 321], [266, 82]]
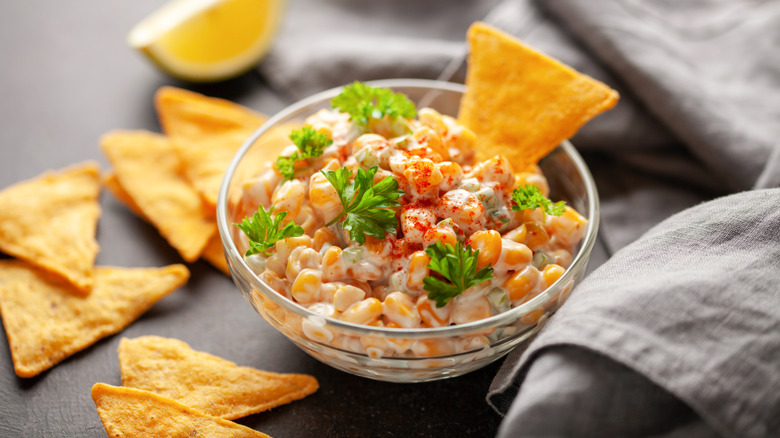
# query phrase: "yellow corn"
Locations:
[[471, 309], [399, 345], [363, 312], [300, 259], [306, 285], [433, 119], [373, 141], [439, 234], [536, 179], [418, 270], [316, 330], [496, 169], [324, 236], [520, 284], [423, 175], [285, 246], [399, 308], [536, 235], [517, 235], [533, 316], [431, 315], [552, 273], [332, 265], [433, 347], [562, 257], [275, 282], [346, 296], [289, 197], [322, 194], [513, 256], [465, 139], [488, 242], [568, 227], [451, 173], [428, 137]]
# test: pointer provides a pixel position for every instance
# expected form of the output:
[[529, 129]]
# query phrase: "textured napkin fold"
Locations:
[[693, 306], [678, 334]]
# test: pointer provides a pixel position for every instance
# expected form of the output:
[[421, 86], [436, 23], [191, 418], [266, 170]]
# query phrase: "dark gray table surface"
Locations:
[[67, 77]]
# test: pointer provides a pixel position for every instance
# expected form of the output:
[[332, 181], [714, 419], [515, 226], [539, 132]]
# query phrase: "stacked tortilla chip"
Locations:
[[173, 180], [54, 302], [521, 103], [171, 388]]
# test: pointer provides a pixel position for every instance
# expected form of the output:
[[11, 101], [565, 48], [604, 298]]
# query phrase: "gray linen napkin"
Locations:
[[693, 306], [678, 334]]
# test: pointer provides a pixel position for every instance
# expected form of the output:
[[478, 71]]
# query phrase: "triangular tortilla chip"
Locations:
[[215, 386], [127, 412], [51, 221], [206, 132], [111, 182], [147, 169], [213, 252], [521, 103], [45, 322], [215, 255]]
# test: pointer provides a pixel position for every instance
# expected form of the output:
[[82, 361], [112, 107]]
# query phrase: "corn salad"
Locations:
[[448, 197]]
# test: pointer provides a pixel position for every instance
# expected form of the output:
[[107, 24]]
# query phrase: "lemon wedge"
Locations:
[[208, 40]]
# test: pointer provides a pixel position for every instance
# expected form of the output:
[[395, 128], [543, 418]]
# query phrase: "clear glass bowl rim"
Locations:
[[501, 319]]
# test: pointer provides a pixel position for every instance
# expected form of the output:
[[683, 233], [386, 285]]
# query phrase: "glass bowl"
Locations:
[[430, 353]]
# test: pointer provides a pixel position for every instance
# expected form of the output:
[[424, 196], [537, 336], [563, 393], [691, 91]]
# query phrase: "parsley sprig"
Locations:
[[366, 206], [458, 265], [310, 144], [263, 230], [363, 103], [529, 197]]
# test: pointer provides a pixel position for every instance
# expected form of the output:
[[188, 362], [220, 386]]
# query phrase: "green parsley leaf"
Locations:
[[263, 230], [529, 197], [363, 103], [366, 205], [458, 265], [310, 144]]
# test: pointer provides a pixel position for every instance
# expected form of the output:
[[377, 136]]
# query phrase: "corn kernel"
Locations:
[[536, 235], [332, 265], [433, 347], [431, 315], [468, 309], [520, 284], [400, 309], [439, 234], [513, 256], [552, 273], [518, 234], [346, 296], [363, 312], [322, 236], [418, 270], [488, 242], [307, 285]]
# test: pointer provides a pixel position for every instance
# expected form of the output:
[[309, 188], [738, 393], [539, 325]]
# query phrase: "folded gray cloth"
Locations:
[[693, 306], [678, 335]]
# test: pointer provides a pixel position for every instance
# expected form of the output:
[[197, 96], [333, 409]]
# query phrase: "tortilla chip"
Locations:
[[111, 182], [147, 169], [215, 255], [51, 221], [127, 412], [45, 323], [206, 132], [521, 103], [212, 385]]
